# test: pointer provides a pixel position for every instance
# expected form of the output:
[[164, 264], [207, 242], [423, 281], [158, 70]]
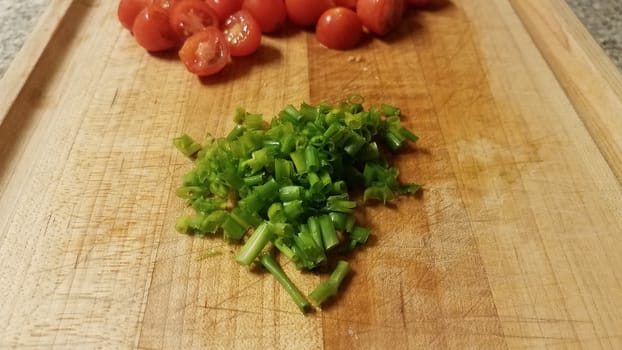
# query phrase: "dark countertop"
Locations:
[[603, 18]]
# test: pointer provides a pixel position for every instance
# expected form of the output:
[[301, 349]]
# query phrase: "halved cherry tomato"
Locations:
[[243, 33], [166, 4], [339, 28], [191, 16], [380, 16], [306, 12], [152, 30], [224, 8], [351, 4], [270, 14], [206, 52], [129, 9]]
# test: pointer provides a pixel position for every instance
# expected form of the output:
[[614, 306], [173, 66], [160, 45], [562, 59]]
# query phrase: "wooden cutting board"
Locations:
[[515, 242]]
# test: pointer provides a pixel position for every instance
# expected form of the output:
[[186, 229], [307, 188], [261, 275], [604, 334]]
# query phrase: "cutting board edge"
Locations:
[[578, 63], [27, 58]]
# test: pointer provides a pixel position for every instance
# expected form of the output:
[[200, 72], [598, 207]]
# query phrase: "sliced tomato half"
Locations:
[[206, 52]]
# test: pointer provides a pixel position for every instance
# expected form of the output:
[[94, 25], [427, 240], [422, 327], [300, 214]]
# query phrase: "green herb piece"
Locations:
[[273, 267], [330, 287], [186, 145]]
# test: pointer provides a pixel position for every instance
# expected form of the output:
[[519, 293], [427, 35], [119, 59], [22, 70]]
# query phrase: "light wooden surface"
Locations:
[[514, 244]]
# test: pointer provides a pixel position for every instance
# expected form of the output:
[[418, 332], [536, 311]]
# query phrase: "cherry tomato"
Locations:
[[166, 4], [339, 28], [346, 3], [306, 12], [380, 16], [243, 33], [224, 8], [191, 16], [129, 9], [419, 3], [206, 52], [270, 14], [152, 30]]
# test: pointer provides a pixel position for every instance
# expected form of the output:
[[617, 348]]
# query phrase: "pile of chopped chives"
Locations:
[[284, 186]]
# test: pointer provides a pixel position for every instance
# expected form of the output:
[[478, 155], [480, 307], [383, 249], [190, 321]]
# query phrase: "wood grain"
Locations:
[[513, 244], [586, 74], [29, 55]]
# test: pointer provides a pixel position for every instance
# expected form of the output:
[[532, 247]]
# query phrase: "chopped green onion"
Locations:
[[289, 180], [298, 157], [283, 170], [293, 209], [312, 159], [236, 132], [390, 110], [309, 254], [315, 230], [255, 244], [245, 218], [273, 267], [340, 204], [186, 145], [330, 287], [276, 213], [359, 235], [329, 235], [290, 193], [232, 229], [339, 220]]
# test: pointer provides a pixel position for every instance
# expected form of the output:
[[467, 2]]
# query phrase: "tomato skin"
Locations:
[[306, 12], [380, 16], [166, 4], [191, 16], [206, 52], [269, 14], [129, 9], [224, 8], [339, 28], [351, 4], [152, 30], [242, 33]]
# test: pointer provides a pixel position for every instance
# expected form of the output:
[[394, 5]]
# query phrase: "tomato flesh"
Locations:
[[339, 28], [206, 52], [269, 14], [380, 16], [224, 8], [306, 12], [129, 9], [243, 33], [152, 30], [191, 16]]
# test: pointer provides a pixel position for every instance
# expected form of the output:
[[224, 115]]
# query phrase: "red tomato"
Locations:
[[224, 8], [152, 30], [346, 3], [206, 52], [270, 14], [191, 16], [419, 3], [165, 4], [339, 28], [243, 33], [380, 16], [129, 9], [306, 12]]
